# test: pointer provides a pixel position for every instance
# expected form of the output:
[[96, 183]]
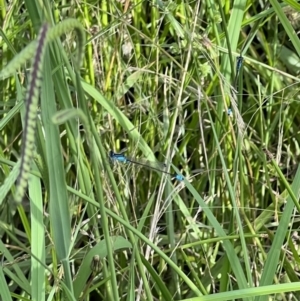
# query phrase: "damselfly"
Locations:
[[239, 64], [142, 162]]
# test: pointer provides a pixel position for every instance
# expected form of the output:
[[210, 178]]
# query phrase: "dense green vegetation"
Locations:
[[79, 79]]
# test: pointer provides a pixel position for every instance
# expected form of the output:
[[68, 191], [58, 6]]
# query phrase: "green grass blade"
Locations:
[[37, 240], [58, 203], [9, 181], [283, 228], [4, 290]]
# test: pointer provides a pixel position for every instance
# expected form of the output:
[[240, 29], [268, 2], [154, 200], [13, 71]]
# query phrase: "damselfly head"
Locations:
[[178, 177]]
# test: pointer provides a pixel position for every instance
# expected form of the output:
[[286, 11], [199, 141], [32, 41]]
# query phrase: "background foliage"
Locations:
[[158, 78]]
